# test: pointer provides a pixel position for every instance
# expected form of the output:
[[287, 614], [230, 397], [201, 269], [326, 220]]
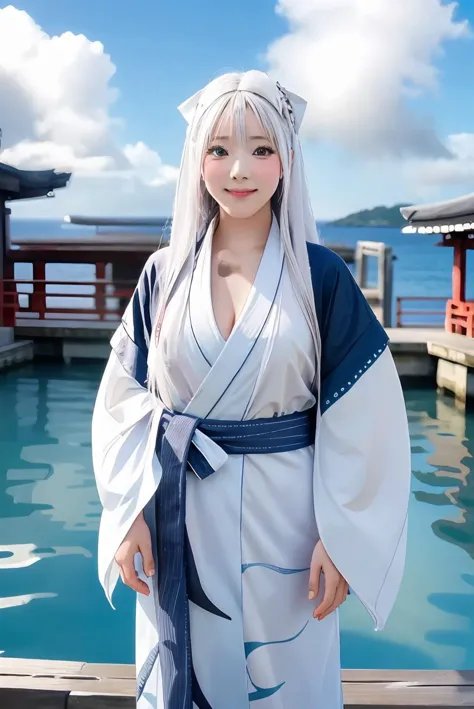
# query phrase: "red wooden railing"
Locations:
[[108, 299], [460, 317], [428, 313]]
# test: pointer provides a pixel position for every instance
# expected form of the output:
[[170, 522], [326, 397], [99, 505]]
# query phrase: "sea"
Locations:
[[51, 604], [421, 267]]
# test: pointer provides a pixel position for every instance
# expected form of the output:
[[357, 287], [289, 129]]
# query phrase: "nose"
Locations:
[[239, 170]]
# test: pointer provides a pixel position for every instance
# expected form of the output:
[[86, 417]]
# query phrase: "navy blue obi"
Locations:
[[178, 581]]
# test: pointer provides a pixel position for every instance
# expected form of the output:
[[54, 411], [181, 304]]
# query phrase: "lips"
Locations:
[[241, 193]]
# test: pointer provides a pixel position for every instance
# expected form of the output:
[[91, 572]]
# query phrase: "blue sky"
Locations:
[[164, 51]]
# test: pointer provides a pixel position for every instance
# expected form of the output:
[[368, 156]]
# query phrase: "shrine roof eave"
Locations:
[[25, 184], [463, 228], [447, 217], [447, 211]]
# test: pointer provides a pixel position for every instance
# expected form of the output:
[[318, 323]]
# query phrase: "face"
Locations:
[[242, 178]]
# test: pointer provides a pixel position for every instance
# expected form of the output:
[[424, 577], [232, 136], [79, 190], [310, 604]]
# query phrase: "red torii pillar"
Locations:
[[459, 312], [459, 271]]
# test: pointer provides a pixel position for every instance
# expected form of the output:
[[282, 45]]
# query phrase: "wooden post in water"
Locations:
[[380, 295]]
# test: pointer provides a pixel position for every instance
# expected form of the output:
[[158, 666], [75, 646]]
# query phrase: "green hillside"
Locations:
[[378, 216]]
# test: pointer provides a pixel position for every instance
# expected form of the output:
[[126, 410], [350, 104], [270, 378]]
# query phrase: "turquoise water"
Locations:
[[51, 605]]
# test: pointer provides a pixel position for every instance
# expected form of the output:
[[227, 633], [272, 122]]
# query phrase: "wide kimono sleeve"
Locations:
[[124, 426], [362, 460]]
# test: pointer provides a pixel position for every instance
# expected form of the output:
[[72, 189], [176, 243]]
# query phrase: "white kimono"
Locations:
[[253, 524]]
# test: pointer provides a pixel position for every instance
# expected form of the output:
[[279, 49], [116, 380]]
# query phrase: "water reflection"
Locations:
[[432, 624], [24, 413], [446, 436], [46, 448], [49, 515], [451, 434]]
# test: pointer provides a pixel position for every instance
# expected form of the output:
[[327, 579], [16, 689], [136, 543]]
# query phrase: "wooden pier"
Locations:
[[426, 356], [443, 358], [46, 684]]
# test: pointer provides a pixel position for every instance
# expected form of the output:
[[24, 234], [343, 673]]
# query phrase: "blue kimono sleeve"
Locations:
[[132, 338], [352, 338]]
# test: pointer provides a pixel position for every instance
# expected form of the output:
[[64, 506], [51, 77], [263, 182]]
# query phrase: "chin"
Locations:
[[242, 210]]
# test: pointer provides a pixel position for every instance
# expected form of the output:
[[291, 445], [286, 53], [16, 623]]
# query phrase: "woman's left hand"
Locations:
[[336, 586]]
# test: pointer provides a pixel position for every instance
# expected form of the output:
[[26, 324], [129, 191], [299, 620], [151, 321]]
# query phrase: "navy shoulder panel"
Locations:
[[351, 336]]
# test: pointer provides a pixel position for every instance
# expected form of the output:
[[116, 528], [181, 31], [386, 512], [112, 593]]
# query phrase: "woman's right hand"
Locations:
[[138, 540]]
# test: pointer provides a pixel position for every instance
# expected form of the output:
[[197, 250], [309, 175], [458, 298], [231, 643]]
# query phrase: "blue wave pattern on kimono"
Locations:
[[272, 567], [254, 645], [196, 593], [262, 692]]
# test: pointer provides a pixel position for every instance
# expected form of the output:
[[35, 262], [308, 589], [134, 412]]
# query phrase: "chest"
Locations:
[[232, 280]]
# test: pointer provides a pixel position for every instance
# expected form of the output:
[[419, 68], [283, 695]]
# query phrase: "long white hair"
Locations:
[[227, 98]]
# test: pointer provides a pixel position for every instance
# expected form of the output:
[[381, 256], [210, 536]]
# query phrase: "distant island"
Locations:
[[377, 217]]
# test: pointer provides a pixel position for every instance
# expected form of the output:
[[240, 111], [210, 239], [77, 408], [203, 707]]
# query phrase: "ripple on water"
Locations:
[[18, 556]]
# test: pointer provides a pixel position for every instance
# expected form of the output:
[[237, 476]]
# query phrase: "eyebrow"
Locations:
[[252, 137]]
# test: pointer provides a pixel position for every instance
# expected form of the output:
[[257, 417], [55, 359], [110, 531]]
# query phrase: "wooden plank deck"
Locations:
[[417, 336], [55, 327], [47, 684], [414, 338], [403, 341], [422, 355], [424, 337]]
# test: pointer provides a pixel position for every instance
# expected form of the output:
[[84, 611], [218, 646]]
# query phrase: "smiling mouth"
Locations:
[[240, 193]]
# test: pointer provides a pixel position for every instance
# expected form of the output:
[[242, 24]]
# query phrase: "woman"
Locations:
[[249, 437]]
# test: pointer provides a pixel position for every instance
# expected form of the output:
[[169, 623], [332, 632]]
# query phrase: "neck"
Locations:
[[240, 235]]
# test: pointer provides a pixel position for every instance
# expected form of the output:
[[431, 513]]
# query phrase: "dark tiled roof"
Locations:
[[24, 184]]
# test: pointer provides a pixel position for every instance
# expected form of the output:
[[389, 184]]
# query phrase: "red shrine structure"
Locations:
[[119, 248], [18, 184], [454, 220]]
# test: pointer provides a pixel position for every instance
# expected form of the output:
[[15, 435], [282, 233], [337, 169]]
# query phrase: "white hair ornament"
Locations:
[[289, 105]]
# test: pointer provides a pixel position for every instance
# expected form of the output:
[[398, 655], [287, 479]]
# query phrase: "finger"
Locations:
[[314, 580], [147, 556], [331, 582], [130, 578], [340, 597]]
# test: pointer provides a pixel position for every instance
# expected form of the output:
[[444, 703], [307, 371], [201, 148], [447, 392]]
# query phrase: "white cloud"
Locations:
[[55, 111], [441, 172], [148, 165], [30, 154], [359, 63]]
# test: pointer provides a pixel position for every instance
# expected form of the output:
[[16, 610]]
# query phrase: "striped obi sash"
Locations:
[[178, 581]]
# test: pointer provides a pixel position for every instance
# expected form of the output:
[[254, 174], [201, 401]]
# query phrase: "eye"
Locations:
[[213, 151], [266, 151]]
